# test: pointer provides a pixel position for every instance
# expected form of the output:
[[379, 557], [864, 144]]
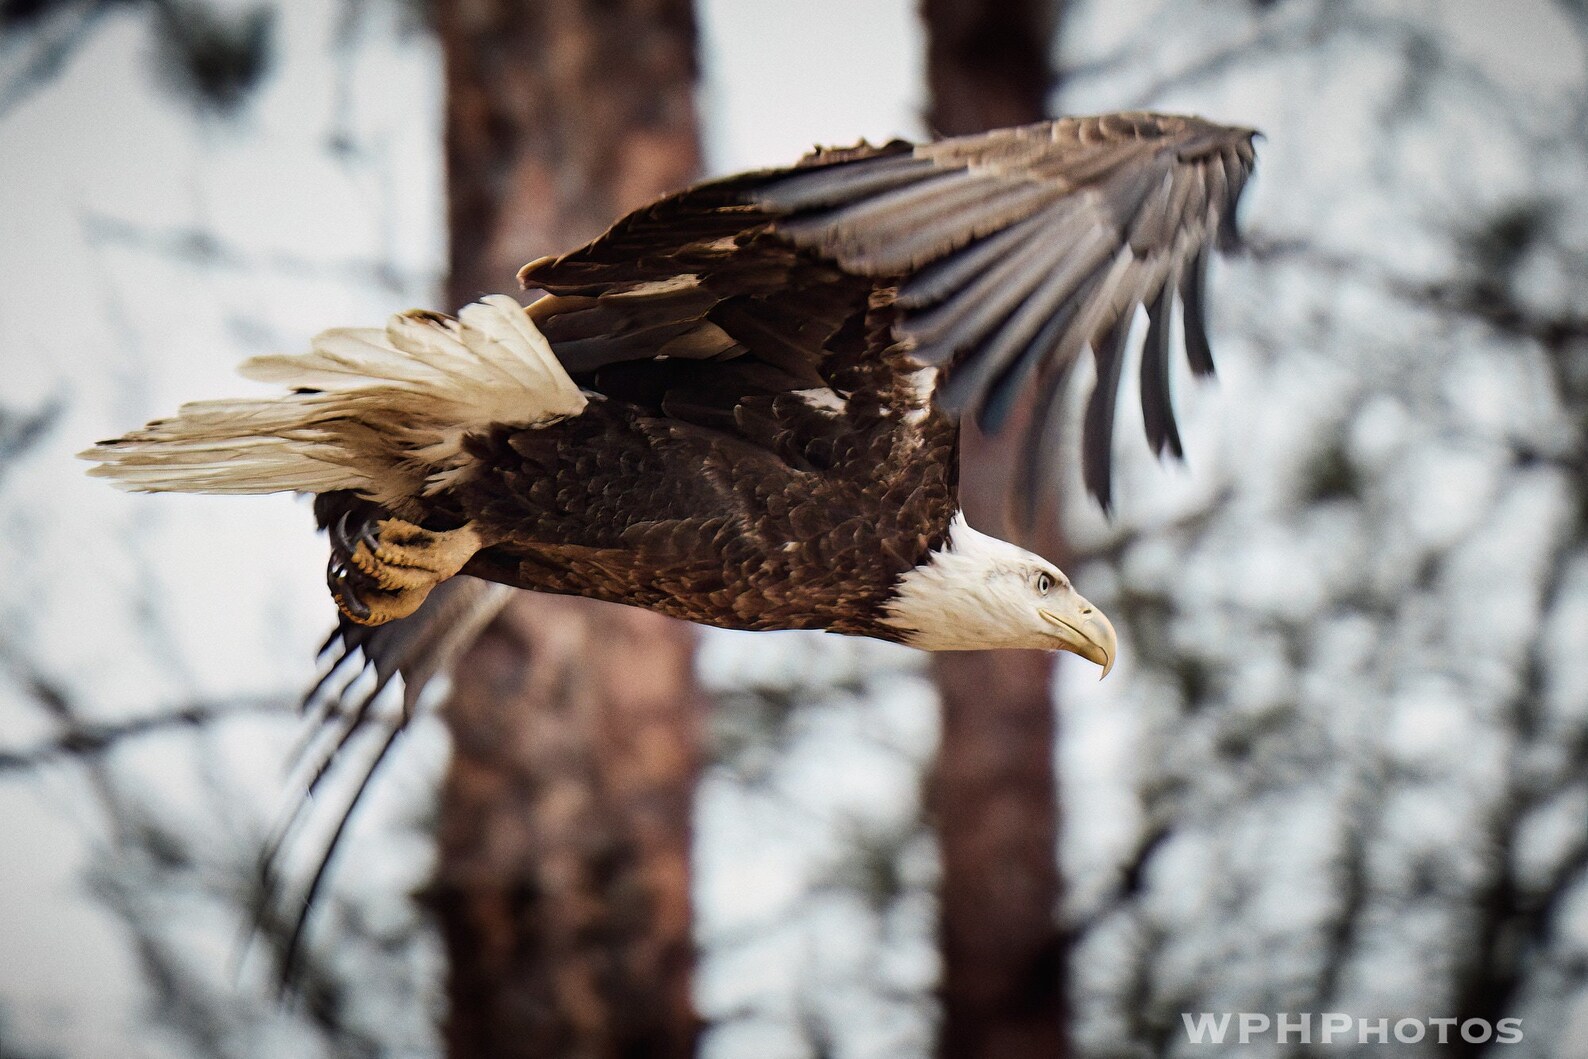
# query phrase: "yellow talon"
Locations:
[[405, 562]]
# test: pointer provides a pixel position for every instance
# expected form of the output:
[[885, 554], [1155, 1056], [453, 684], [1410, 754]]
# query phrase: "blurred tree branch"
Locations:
[[209, 55]]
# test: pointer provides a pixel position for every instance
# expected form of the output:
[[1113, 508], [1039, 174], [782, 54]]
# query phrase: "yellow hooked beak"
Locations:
[[1084, 630]]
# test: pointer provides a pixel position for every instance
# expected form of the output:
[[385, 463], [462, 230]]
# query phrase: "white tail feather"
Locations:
[[383, 412]]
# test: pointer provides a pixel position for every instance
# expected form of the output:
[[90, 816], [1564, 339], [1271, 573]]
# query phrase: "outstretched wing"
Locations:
[[1003, 256], [346, 706]]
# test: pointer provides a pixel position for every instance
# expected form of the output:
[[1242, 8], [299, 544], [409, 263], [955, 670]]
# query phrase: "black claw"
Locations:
[[367, 534], [355, 606], [339, 535], [339, 579]]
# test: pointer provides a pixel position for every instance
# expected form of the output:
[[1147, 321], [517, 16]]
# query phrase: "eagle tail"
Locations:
[[379, 411]]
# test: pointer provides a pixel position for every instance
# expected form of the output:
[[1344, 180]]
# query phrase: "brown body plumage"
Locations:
[[708, 539]]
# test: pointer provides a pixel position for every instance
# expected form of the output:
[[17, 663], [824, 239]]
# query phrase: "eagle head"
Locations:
[[980, 593]]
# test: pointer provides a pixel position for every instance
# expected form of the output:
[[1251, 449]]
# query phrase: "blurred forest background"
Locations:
[[1342, 765]]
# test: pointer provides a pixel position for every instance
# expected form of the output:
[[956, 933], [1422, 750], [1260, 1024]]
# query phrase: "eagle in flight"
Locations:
[[741, 405]]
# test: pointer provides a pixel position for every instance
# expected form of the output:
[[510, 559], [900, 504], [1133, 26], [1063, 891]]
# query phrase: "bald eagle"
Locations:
[[741, 405]]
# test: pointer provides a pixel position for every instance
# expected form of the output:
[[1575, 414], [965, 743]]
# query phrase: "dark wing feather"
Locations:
[[1097, 436], [1193, 284], [1004, 256], [1156, 410], [1036, 241], [420, 647]]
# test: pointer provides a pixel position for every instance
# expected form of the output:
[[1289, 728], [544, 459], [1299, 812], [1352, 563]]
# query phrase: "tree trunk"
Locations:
[[994, 796], [563, 884]]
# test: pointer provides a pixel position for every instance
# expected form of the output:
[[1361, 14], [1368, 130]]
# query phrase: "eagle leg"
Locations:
[[385, 569]]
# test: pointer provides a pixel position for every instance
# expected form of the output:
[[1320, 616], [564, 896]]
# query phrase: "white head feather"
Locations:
[[979, 592]]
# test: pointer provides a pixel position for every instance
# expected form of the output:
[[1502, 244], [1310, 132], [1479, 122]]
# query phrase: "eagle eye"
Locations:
[[1044, 583]]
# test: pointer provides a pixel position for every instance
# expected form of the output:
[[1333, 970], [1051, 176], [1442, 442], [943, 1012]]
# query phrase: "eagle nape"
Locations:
[[741, 405]]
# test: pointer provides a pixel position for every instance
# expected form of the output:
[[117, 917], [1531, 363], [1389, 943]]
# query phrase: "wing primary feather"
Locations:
[[831, 185], [1044, 445], [1097, 431], [1157, 214], [1193, 285], [1235, 172], [341, 665], [1051, 313], [331, 707], [353, 722], [288, 827], [1157, 411], [1221, 217], [1004, 389], [945, 328], [940, 227], [940, 279], [1126, 198], [293, 949], [834, 227]]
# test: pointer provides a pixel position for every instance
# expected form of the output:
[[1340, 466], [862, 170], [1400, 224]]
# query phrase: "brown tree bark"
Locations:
[[994, 796], [562, 889]]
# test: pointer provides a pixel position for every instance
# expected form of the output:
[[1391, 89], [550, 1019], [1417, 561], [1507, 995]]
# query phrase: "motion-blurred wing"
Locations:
[[346, 703]]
